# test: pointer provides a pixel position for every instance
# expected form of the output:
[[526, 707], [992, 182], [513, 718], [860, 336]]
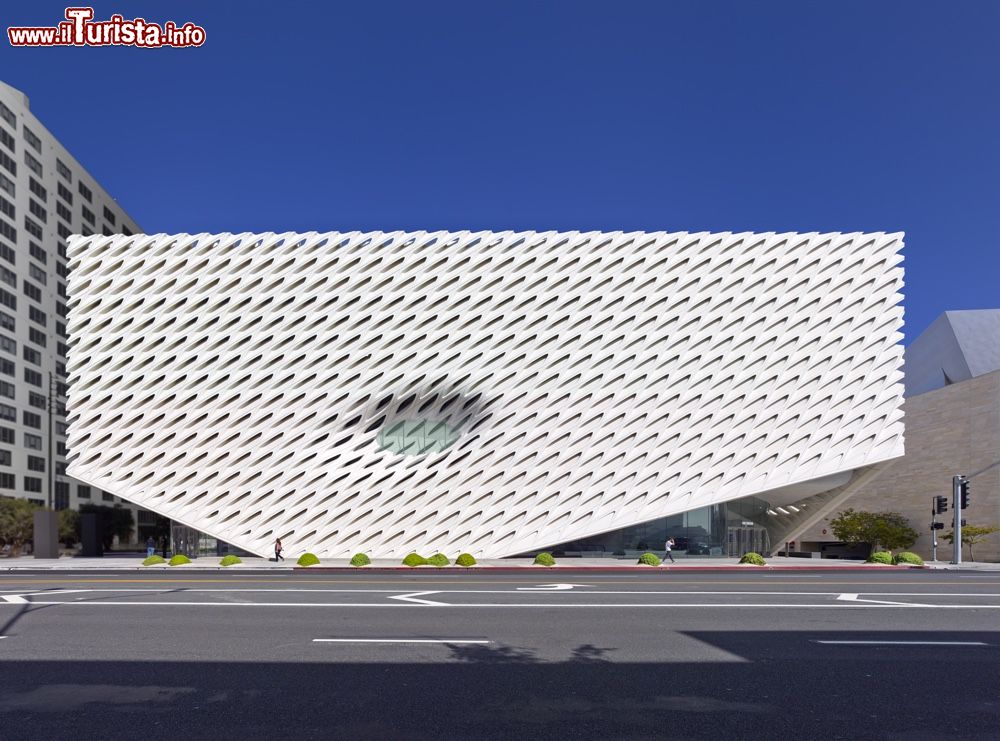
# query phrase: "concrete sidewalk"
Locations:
[[134, 563]]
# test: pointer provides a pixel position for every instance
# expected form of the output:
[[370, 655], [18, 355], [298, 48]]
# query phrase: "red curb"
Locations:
[[612, 569]]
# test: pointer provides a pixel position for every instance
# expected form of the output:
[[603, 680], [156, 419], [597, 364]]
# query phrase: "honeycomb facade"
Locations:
[[490, 392]]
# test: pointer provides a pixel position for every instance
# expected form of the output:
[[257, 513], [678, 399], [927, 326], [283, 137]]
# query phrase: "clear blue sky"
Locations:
[[551, 115]]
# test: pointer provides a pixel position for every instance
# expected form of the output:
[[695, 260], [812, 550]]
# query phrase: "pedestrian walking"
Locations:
[[669, 548], [278, 548], [150, 546]]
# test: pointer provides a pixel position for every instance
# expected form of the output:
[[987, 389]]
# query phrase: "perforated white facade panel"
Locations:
[[490, 392]]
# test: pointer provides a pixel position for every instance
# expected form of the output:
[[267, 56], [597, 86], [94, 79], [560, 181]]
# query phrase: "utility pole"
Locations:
[[960, 500]]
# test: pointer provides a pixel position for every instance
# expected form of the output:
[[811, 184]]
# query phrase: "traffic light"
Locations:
[[940, 505], [937, 526], [963, 491]]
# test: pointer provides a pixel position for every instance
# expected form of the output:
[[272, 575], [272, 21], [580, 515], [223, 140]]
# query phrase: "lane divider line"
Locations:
[[396, 640], [902, 643]]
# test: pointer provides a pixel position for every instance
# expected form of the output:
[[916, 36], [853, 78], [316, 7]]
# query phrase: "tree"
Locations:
[[17, 522], [887, 529], [114, 521], [971, 535], [69, 526]]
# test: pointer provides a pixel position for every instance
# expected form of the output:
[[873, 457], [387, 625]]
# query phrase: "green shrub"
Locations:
[[308, 559], [883, 557], [153, 561], [649, 559], [905, 557], [438, 559], [179, 560], [414, 559], [230, 560], [544, 559], [754, 559], [360, 559], [465, 559]]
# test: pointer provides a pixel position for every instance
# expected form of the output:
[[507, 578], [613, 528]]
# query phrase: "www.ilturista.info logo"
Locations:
[[80, 29]]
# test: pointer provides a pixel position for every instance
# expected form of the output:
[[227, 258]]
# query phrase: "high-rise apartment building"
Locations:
[[45, 195]]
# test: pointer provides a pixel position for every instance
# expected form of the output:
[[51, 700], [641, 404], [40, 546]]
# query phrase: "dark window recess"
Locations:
[[32, 377], [60, 468], [7, 321], [62, 348], [38, 253], [62, 388], [39, 338], [64, 213], [84, 191], [8, 164], [8, 115], [61, 270], [8, 254], [8, 412], [37, 400], [36, 463], [61, 448], [63, 170], [34, 141], [106, 230], [61, 330], [8, 390], [7, 208], [60, 369], [107, 496], [8, 276], [31, 355], [34, 165], [62, 495], [30, 419], [8, 299], [37, 315], [88, 215], [109, 216], [126, 231], [83, 492], [7, 186], [7, 367], [61, 250], [5, 458], [33, 228], [9, 232], [38, 274], [65, 193], [7, 435], [37, 211], [32, 291], [8, 481], [61, 428], [61, 310], [32, 442], [62, 230], [36, 187], [7, 139], [8, 344], [61, 290], [32, 483]]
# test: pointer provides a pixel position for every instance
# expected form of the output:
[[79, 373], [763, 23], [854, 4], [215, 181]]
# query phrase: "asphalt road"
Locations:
[[584, 655]]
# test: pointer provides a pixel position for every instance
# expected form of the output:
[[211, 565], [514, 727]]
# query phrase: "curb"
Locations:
[[610, 569]]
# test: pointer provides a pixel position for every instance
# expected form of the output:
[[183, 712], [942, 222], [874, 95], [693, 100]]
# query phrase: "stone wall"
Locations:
[[952, 430]]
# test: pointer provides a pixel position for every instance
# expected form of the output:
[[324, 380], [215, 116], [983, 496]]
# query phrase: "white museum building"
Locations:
[[498, 393]]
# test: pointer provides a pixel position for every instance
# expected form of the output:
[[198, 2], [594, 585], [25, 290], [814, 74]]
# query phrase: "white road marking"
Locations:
[[14, 599], [550, 587], [414, 599], [496, 605], [903, 643], [849, 597], [394, 640]]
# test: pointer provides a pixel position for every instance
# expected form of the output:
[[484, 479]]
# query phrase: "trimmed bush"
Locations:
[[230, 560], [883, 557], [308, 559], [153, 561], [754, 559], [905, 557], [649, 559], [465, 559], [360, 559], [414, 559], [544, 559], [438, 559], [179, 560]]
